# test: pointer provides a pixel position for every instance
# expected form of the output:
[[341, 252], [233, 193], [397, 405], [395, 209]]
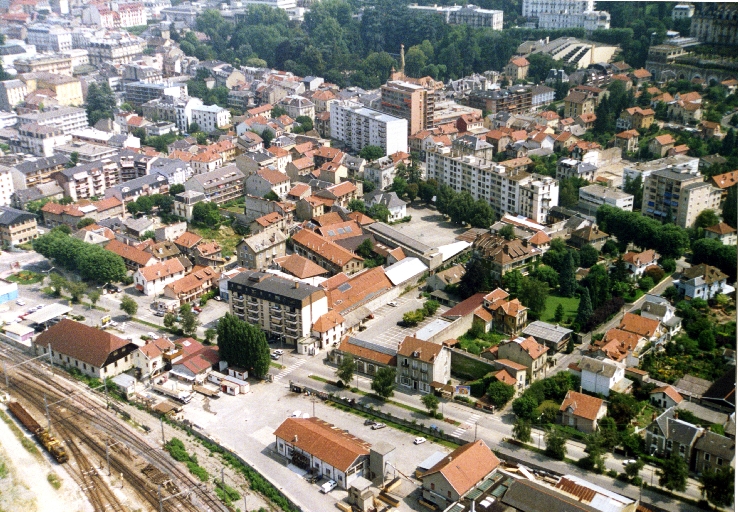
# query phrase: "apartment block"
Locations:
[[210, 117], [37, 171], [588, 20], [88, 180], [116, 49], [67, 89], [138, 93], [59, 64], [715, 23], [12, 93], [411, 102], [38, 140], [64, 120], [283, 308], [6, 185], [47, 38], [507, 191], [260, 250], [534, 8], [358, 126], [592, 197], [515, 100], [16, 226], [679, 195], [676, 163], [175, 109], [218, 186], [463, 15]]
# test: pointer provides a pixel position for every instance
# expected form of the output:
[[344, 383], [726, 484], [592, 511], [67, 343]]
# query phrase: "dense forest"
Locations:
[[352, 44]]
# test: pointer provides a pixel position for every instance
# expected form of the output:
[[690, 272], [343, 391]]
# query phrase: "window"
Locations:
[[719, 461], [433, 486], [448, 494], [682, 449], [707, 457], [669, 444]]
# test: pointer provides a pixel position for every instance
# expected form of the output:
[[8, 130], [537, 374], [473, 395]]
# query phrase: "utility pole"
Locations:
[[5, 372], [107, 402], [107, 455], [222, 476], [51, 360], [161, 503], [475, 431], [163, 441], [48, 418]]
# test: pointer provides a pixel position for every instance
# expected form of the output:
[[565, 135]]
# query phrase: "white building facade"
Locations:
[[358, 126]]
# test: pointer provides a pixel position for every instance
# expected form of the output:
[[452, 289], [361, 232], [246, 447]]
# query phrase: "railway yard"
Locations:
[[117, 468]]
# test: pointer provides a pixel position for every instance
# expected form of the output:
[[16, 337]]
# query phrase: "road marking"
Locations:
[[289, 369], [469, 423]]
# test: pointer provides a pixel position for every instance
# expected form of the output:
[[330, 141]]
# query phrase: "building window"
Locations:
[[707, 457], [719, 461], [669, 444], [448, 493], [433, 486]]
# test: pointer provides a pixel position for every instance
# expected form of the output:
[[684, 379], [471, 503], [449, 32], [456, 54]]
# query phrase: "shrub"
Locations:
[[602, 313]]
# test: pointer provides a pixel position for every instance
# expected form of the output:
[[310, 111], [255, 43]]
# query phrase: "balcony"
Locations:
[[291, 314]]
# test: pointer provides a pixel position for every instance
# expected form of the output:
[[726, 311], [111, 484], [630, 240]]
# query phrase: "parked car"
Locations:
[[628, 462], [419, 440], [160, 313], [377, 426], [20, 302], [392, 303], [197, 308], [369, 422], [296, 414], [328, 486], [152, 335]]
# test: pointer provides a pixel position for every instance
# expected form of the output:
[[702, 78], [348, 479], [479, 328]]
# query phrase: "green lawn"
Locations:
[[225, 236], [552, 302], [26, 277]]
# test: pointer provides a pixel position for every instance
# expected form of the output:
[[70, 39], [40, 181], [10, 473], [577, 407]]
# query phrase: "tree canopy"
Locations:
[[242, 344]]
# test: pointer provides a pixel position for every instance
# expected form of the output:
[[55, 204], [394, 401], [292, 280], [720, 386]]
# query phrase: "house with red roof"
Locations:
[[133, 258], [722, 232], [268, 180], [517, 68], [665, 397], [660, 145], [527, 352], [152, 279], [638, 262], [149, 359], [581, 411], [196, 362]]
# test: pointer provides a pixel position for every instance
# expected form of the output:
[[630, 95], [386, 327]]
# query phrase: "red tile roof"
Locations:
[[82, 342], [162, 270], [325, 248], [466, 466], [300, 267], [188, 239], [670, 392], [128, 252], [584, 406], [639, 325], [328, 321]]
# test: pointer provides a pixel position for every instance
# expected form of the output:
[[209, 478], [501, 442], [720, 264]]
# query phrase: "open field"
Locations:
[[552, 302]]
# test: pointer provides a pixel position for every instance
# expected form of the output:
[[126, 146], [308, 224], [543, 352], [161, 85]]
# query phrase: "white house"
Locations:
[[329, 328], [211, 117], [601, 376], [149, 359], [268, 180], [153, 279], [396, 206], [638, 262], [701, 282], [419, 363], [658, 308]]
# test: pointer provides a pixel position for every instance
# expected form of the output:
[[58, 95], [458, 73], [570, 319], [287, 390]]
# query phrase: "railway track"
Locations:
[[77, 418]]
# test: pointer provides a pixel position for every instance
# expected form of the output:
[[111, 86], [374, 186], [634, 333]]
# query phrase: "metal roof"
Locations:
[[47, 313]]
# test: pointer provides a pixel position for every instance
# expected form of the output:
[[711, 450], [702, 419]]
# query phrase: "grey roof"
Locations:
[[51, 188], [51, 114], [138, 225], [546, 331], [9, 216], [692, 385], [399, 238], [677, 430], [167, 166], [702, 412], [69, 173], [603, 367], [472, 142], [269, 283], [264, 240], [717, 445], [48, 162], [527, 496], [388, 199], [138, 183], [675, 175], [220, 175]]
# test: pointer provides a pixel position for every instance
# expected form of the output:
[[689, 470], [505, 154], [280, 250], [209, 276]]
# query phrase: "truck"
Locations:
[[48, 441], [181, 396]]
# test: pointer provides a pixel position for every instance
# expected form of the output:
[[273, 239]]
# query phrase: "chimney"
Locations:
[[676, 415], [297, 285], [295, 439]]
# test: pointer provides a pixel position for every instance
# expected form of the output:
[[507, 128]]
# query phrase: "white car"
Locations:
[[392, 303], [419, 440], [628, 462], [296, 414], [152, 335], [328, 486], [20, 302]]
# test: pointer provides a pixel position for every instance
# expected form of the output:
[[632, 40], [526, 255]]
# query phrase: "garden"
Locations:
[[26, 277]]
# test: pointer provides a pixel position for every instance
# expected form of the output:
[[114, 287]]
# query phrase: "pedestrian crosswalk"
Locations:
[[291, 368], [469, 423]]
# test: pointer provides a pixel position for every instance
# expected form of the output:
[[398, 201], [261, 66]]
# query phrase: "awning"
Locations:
[[47, 313]]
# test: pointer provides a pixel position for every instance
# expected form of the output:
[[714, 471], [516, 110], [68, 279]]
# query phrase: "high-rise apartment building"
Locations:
[[464, 15], [358, 126], [507, 191], [138, 93], [517, 99], [679, 195], [49, 38], [64, 119], [409, 101]]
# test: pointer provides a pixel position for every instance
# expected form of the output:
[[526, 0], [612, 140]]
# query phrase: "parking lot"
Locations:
[[429, 227], [384, 329]]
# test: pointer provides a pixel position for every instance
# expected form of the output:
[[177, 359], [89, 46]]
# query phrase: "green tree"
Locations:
[[431, 402], [345, 370], [278, 111], [148, 235], [477, 278], [567, 277], [206, 213], [533, 294], [76, 290], [507, 232], [357, 205], [101, 102], [378, 212], [427, 190], [188, 319], [706, 218], [595, 458], [555, 444], [634, 469], [384, 382], [73, 160], [271, 196], [371, 153], [588, 256], [730, 207], [399, 186], [706, 340], [623, 408], [513, 282], [94, 296], [718, 486], [547, 275], [175, 189], [243, 344], [169, 320], [673, 473], [634, 187], [521, 430], [129, 306], [559, 313], [365, 248], [210, 335], [500, 394], [85, 222], [525, 407], [412, 191], [584, 310]]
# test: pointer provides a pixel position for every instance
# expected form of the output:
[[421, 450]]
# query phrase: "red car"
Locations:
[[197, 308]]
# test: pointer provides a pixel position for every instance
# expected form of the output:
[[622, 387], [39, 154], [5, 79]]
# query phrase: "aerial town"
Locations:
[[315, 255]]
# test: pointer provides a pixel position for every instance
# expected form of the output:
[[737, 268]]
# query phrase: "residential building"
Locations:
[[151, 280], [268, 180], [49, 38], [701, 282], [63, 119], [318, 446], [681, 11], [517, 68], [713, 452], [513, 100], [149, 359], [396, 206], [93, 352], [115, 48], [193, 286], [56, 214], [555, 337], [459, 472], [196, 362], [218, 186], [529, 353], [578, 103], [87, 152], [357, 127], [665, 397], [301, 268], [592, 197], [284, 309], [627, 141], [50, 63], [661, 144], [326, 253], [7, 187], [667, 435], [714, 23], [38, 171], [722, 232], [409, 101], [88, 180], [506, 255], [635, 118], [259, 251], [582, 412], [420, 363], [211, 117], [572, 168], [463, 15], [500, 314], [507, 190], [677, 163], [588, 20], [139, 93], [679, 195], [172, 108], [38, 140], [638, 262], [298, 106], [660, 309], [16, 227], [329, 328], [66, 90], [603, 376], [133, 257], [12, 93]]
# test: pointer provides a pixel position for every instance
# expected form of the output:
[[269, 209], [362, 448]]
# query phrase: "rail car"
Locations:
[[51, 443]]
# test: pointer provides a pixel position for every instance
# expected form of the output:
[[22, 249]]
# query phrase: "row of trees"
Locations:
[[463, 209], [92, 262]]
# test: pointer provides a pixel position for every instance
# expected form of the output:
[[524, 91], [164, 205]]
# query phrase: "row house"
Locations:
[[193, 286], [326, 253], [55, 214], [133, 257], [153, 279]]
